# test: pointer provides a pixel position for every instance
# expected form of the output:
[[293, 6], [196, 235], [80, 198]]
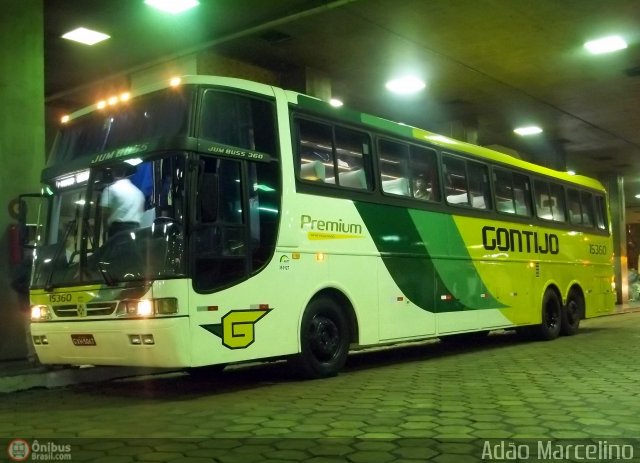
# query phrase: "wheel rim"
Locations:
[[552, 315], [324, 338]]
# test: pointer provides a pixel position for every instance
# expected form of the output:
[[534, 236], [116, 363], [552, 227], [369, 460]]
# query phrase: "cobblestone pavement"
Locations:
[[421, 402]]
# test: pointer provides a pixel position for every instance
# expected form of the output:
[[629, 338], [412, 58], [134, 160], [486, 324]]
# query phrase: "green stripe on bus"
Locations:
[[426, 257]]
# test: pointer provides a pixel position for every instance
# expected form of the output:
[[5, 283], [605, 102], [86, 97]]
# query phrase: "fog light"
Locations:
[[147, 339], [135, 339]]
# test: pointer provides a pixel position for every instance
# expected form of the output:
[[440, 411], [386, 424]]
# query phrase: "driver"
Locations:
[[123, 202]]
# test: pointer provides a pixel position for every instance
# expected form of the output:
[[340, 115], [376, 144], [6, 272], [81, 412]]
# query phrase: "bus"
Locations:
[[275, 226]]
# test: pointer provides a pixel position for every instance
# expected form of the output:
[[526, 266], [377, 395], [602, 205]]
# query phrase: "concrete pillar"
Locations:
[[210, 63], [21, 146], [309, 81], [615, 187]]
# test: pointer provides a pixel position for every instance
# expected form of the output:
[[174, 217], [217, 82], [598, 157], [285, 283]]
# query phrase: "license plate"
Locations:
[[83, 340]]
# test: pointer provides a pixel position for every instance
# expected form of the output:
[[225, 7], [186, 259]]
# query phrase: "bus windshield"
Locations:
[[89, 239], [158, 115]]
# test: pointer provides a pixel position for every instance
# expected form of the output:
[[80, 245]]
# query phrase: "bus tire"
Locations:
[[324, 340], [549, 329], [572, 313]]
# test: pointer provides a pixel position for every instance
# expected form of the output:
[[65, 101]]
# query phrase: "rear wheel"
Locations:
[[549, 329], [572, 313], [324, 340]]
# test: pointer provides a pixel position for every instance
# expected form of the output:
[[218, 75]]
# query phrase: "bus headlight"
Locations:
[[40, 312], [148, 307]]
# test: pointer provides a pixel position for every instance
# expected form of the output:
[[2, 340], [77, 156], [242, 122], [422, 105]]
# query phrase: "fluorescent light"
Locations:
[[531, 130], [86, 36], [405, 85], [606, 45], [172, 6]]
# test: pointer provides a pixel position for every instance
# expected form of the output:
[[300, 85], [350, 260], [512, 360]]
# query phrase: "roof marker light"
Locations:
[[175, 81], [64, 119], [101, 104], [336, 103], [125, 96], [112, 100]]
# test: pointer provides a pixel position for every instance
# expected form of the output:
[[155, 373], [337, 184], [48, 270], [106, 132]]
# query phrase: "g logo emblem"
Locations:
[[238, 328]]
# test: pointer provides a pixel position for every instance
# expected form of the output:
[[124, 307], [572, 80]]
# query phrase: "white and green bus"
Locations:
[[277, 226]]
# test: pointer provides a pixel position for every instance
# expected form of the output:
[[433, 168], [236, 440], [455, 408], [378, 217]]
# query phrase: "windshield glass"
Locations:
[[122, 222], [157, 115]]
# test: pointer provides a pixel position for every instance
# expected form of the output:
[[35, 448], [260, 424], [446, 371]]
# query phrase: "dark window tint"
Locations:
[[353, 158], [393, 159], [466, 183], [333, 155], [513, 193], [157, 115], [315, 151], [600, 212], [239, 120], [549, 199], [424, 174], [455, 181]]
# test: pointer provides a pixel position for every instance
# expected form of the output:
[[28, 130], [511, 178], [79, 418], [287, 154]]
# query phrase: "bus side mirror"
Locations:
[[208, 197]]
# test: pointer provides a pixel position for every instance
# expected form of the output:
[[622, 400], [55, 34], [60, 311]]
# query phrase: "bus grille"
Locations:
[[93, 309]]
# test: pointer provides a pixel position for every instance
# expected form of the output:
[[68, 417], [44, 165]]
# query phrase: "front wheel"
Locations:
[[572, 312], [324, 340]]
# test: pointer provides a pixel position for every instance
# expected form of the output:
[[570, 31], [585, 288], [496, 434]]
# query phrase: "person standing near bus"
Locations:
[[123, 203]]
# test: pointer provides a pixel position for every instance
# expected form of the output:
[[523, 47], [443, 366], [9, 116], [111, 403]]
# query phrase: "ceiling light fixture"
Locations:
[[606, 45], [405, 85], [530, 130], [86, 36], [172, 6]]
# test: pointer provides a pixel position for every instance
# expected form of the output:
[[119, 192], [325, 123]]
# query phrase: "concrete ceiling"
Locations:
[[494, 64]]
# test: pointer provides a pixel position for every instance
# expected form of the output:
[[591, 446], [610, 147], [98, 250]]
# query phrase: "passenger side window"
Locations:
[[466, 183], [581, 210], [600, 212], [479, 185], [337, 156], [424, 174], [455, 181], [353, 158], [586, 200], [549, 199], [393, 159], [513, 193], [315, 151]]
